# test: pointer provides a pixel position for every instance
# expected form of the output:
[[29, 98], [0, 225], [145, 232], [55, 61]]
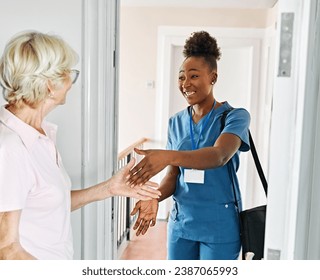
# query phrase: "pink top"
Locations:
[[32, 178]]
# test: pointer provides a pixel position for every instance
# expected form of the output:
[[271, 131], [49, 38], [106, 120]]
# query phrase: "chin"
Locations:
[[191, 101]]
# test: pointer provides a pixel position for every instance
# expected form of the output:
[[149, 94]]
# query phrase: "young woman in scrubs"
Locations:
[[203, 222]]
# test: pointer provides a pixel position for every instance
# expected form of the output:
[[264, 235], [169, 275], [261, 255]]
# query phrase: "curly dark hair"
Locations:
[[201, 44]]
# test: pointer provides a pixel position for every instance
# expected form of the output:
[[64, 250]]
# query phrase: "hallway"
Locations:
[[151, 246]]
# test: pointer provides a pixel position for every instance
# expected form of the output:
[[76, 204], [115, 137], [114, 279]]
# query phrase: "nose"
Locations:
[[185, 83]]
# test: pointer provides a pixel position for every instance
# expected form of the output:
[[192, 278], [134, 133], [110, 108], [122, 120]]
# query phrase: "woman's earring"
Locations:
[[212, 82], [51, 94]]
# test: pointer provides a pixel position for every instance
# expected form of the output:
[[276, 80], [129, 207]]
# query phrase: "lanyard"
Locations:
[[204, 124]]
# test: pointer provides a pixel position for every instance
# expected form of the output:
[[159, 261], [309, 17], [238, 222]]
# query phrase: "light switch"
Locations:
[[150, 84]]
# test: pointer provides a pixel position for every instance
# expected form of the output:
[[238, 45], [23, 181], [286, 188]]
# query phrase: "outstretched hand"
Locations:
[[153, 162], [147, 215], [120, 187]]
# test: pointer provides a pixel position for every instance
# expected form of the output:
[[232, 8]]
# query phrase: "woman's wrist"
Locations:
[[168, 157], [108, 189]]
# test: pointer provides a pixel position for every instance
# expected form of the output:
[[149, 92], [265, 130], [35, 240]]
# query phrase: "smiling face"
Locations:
[[196, 80]]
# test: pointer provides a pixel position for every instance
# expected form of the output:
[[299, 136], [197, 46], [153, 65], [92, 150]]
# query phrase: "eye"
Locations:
[[181, 78], [194, 76]]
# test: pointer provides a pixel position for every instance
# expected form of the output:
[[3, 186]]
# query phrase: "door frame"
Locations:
[[99, 123], [293, 226]]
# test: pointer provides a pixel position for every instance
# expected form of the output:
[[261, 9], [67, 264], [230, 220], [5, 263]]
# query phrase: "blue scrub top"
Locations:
[[206, 212]]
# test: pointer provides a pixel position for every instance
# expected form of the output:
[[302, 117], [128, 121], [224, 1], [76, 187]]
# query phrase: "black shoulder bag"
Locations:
[[252, 221]]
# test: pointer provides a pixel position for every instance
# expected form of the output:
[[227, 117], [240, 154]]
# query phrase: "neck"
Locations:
[[201, 109], [31, 116]]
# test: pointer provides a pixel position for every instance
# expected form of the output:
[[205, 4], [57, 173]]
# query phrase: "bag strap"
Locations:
[[253, 151], [258, 164]]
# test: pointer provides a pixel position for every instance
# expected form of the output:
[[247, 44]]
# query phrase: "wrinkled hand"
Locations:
[[119, 186], [147, 215], [152, 163]]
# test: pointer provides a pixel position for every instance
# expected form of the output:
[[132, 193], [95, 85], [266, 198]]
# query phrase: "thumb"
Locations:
[[135, 209], [140, 152]]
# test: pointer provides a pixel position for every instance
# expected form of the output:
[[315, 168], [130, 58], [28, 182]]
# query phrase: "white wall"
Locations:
[[87, 122], [62, 18]]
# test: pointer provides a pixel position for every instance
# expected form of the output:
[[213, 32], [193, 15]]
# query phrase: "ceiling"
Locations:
[[236, 4]]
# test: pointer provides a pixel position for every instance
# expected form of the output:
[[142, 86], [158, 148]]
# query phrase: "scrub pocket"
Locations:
[[174, 212]]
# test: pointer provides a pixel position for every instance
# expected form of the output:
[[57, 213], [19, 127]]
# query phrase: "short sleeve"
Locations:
[[16, 178], [169, 139], [237, 122]]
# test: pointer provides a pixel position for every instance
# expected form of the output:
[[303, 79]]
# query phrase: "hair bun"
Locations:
[[201, 44]]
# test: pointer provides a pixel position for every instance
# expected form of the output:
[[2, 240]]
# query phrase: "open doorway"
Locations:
[[151, 36]]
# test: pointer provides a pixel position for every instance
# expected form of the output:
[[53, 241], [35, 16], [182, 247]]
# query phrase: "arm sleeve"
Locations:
[[169, 140], [237, 122]]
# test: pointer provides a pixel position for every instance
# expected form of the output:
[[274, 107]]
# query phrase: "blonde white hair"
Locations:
[[29, 61]]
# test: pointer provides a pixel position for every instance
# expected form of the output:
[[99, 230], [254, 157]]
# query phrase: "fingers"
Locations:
[[139, 178], [142, 197], [130, 164], [137, 223], [146, 189], [153, 222], [136, 169], [149, 192], [145, 228], [141, 163], [142, 226], [152, 184]]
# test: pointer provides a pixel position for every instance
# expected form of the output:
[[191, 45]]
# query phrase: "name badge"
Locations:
[[194, 176]]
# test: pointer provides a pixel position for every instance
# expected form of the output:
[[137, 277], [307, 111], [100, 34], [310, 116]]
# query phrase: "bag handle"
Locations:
[[253, 151]]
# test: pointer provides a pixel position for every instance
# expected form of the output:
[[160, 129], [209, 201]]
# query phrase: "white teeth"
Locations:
[[187, 93]]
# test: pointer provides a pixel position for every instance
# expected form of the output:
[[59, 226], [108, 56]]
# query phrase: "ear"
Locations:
[[51, 86], [214, 77]]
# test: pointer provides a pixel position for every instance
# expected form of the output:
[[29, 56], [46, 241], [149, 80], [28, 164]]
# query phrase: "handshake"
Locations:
[[138, 186]]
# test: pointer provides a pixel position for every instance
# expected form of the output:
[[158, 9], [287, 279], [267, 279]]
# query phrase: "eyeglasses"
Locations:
[[74, 74]]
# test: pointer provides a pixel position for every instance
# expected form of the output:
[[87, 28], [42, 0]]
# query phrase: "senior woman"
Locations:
[[35, 190]]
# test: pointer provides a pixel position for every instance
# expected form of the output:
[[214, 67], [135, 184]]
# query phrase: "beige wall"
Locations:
[[138, 57]]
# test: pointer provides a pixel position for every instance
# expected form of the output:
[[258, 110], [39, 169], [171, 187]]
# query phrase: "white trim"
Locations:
[[99, 112], [233, 4], [292, 216], [307, 153]]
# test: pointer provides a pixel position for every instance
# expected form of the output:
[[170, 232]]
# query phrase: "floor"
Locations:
[[151, 246]]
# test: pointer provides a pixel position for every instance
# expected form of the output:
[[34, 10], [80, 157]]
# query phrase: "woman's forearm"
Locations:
[[209, 157], [80, 198], [168, 183], [204, 158]]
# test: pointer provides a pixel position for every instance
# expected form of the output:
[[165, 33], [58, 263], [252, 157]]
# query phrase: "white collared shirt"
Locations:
[[33, 179]]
